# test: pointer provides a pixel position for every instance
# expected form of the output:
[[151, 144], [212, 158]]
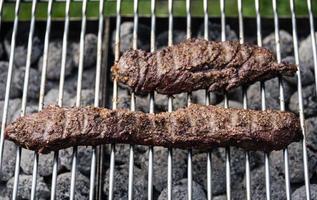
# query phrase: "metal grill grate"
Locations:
[[96, 171]]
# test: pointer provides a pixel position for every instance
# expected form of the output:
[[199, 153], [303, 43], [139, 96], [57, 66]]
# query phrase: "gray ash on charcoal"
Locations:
[[25, 186], [28, 110], [238, 160], [218, 172], [122, 154], [87, 97], [51, 98], [33, 90], [309, 101], [20, 55], [160, 166], [311, 133], [214, 32], [162, 38], [306, 53], [120, 187], [88, 80], [258, 189], [8, 161], [90, 51], [126, 37], [286, 41], [300, 193], [272, 94], [15, 106], [45, 163], [63, 186], [83, 159], [14, 91], [296, 165], [54, 60], [307, 74], [179, 191]]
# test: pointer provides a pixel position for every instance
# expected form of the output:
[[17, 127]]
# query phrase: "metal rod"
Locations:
[[6, 99], [267, 176], [42, 90], [9, 76], [25, 90], [153, 48], [97, 91], [61, 90], [299, 86], [16, 174], [134, 45], [34, 176], [114, 97], [263, 102], [207, 102], [189, 154], [78, 93], [282, 98], [170, 108], [245, 104], [226, 102]]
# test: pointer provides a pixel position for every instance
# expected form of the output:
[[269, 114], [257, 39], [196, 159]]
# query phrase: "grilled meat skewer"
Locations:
[[197, 64], [197, 126]]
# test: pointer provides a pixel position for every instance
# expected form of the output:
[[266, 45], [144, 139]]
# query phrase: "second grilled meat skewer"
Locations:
[[198, 64], [199, 127]]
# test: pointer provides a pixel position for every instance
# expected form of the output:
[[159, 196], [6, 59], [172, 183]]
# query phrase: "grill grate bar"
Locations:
[[96, 100], [282, 102], [9, 78], [170, 106], [78, 94], [189, 154], [151, 153], [7, 95], [61, 90], [226, 102], [299, 86], [25, 90], [245, 104], [207, 102], [114, 97], [263, 102], [134, 46], [42, 91]]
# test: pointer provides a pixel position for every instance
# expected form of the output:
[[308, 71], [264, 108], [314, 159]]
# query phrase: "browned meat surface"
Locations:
[[197, 64], [198, 126]]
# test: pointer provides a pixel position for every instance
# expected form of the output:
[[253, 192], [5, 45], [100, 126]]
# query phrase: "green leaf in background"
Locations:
[[144, 8]]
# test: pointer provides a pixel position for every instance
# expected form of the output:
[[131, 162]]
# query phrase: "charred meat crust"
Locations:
[[198, 126], [197, 64]]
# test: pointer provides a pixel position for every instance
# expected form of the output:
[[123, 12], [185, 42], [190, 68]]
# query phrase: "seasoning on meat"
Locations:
[[197, 64], [197, 126]]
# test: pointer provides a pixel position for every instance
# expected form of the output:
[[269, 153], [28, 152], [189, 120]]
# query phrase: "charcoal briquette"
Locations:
[[309, 101], [180, 192], [63, 186], [286, 41], [54, 60], [90, 51], [25, 186]]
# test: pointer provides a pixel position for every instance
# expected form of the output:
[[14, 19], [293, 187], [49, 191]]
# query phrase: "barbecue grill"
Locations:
[[102, 88]]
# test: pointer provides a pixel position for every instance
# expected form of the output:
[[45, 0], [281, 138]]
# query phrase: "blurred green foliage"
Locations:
[[145, 5]]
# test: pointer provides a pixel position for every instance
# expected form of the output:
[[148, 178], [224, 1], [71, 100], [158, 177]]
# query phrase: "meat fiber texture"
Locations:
[[197, 127], [197, 64]]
